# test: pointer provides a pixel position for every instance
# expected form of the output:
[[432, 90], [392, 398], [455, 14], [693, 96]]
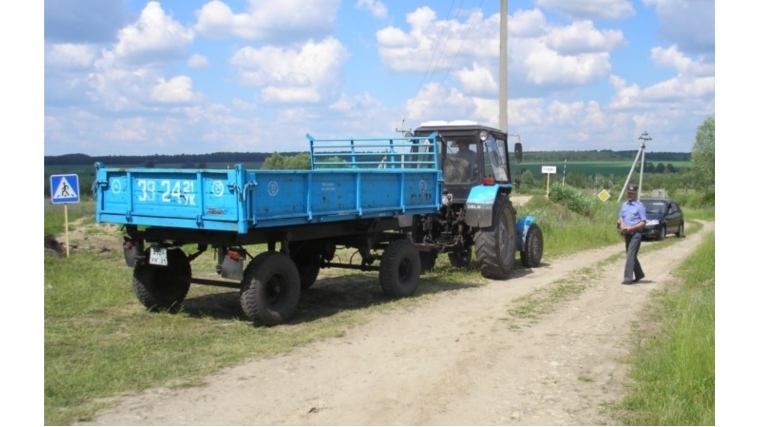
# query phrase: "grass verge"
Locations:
[[673, 364]]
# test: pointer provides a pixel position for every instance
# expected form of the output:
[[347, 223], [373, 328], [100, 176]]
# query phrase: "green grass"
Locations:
[[100, 343], [56, 215], [673, 365], [566, 231]]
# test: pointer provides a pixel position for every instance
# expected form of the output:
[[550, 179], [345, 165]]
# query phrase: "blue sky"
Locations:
[[185, 76]]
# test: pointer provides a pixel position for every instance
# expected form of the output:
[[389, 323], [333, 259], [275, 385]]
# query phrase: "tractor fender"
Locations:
[[523, 224], [480, 205]]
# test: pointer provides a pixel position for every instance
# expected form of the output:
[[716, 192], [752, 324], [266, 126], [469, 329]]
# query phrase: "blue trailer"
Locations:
[[399, 201]]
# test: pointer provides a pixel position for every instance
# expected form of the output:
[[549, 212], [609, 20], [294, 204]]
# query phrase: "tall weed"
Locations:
[[566, 231]]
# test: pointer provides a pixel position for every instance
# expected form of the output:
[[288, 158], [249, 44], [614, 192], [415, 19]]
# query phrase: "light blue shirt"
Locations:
[[633, 212]]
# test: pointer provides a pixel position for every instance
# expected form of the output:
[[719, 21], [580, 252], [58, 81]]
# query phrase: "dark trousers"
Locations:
[[632, 267]]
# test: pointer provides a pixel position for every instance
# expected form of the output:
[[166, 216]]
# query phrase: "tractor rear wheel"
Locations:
[[495, 246]]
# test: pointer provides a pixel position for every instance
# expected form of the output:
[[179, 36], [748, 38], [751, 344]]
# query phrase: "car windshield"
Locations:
[[655, 206]]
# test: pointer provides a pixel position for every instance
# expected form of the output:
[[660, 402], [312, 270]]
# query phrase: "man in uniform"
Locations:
[[631, 221]]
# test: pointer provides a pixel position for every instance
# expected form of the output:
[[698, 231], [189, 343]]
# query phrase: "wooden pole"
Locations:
[[66, 225]]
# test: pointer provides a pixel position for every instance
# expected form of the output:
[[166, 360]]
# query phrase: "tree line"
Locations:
[[201, 160]]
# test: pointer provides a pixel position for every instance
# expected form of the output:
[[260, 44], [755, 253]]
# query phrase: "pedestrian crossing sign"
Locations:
[[64, 188]]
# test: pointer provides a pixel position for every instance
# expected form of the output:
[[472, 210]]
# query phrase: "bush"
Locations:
[[572, 198]]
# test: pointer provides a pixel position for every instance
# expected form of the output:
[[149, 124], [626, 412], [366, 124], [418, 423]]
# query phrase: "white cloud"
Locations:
[[540, 54], [176, 90], [688, 23], [585, 9], [566, 113], [547, 67], [582, 37], [197, 61], [527, 23], [666, 94], [69, 56], [576, 54], [477, 80], [672, 57], [432, 44], [525, 111], [311, 74], [281, 20], [434, 102], [376, 7], [352, 104], [155, 37]]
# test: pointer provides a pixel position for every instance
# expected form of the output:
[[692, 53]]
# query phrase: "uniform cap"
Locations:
[[632, 188]]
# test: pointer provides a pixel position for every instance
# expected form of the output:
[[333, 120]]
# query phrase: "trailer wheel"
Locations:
[[461, 258], [161, 288], [400, 269], [270, 289], [533, 247], [495, 246]]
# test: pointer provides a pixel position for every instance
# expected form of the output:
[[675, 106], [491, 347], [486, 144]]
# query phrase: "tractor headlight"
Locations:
[[483, 135]]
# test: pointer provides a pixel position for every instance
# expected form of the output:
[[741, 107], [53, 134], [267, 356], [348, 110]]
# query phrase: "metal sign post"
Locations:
[[64, 189], [548, 170]]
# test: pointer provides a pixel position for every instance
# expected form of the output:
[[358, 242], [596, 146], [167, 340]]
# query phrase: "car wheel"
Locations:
[[663, 232], [680, 232]]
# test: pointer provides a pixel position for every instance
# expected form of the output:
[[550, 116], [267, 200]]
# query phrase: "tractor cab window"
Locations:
[[496, 159], [461, 161]]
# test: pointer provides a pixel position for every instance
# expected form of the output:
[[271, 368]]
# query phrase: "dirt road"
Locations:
[[459, 359]]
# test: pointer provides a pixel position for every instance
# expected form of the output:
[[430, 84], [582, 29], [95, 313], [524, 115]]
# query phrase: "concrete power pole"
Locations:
[[503, 121]]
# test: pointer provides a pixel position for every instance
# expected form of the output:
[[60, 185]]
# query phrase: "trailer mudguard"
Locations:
[[480, 205], [523, 224]]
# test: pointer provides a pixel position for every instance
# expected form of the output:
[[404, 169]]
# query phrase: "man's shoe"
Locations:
[[638, 278], [626, 282]]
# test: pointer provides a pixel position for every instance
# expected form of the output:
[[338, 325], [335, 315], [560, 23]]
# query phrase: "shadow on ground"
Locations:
[[331, 295]]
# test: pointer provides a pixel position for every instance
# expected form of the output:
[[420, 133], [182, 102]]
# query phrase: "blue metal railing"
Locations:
[[413, 152]]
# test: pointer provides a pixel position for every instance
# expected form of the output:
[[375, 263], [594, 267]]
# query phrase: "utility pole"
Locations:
[[503, 121], [644, 138]]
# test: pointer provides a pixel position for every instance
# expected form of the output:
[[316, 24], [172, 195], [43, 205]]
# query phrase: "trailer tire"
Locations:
[[533, 247], [495, 246], [163, 288], [270, 289], [400, 269], [461, 259]]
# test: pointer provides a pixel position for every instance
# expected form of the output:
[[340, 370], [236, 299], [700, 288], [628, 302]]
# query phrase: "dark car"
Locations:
[[664, 217]]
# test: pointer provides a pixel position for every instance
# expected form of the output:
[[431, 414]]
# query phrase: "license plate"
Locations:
[[158, 256]]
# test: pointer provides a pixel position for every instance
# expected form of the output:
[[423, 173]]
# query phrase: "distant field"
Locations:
[[590, 168]]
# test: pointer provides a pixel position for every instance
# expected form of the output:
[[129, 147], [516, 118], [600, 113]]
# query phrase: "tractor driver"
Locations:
[[464, 152]]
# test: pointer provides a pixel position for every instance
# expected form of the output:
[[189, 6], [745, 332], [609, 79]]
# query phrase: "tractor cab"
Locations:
[[471, 154]]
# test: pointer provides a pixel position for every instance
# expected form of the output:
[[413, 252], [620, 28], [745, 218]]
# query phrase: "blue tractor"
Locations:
[[476, 214]]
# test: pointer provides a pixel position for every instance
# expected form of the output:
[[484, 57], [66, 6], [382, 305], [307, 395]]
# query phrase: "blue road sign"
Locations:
[[64, 188]]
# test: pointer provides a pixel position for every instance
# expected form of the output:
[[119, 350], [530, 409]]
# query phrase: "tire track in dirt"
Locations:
[[458, 359]]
